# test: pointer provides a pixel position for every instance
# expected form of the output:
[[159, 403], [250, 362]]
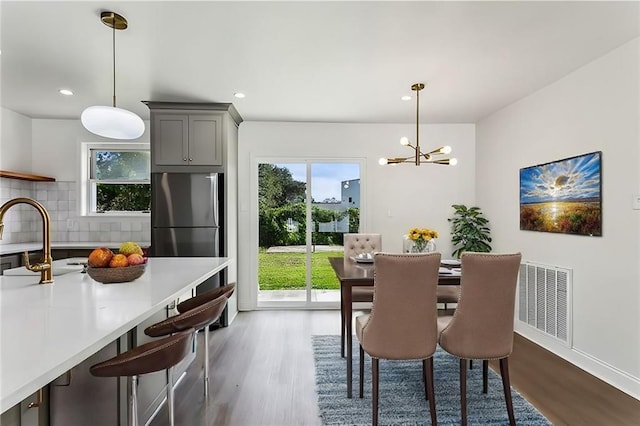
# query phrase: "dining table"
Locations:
[[352, 273]]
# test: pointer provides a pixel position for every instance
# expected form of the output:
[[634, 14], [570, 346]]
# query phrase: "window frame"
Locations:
[[88, 185]]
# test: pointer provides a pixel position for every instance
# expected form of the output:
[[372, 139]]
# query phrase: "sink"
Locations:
[[60, 267]]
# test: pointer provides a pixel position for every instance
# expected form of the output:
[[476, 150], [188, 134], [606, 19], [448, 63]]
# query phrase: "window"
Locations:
[[118, 179]]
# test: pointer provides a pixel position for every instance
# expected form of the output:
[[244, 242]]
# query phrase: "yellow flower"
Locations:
[[420, 237]]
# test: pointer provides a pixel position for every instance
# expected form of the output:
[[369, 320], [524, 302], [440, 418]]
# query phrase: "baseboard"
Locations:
[[617, 378]]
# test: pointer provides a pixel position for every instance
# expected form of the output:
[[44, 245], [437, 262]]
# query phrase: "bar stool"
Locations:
[[197, 318], [198, 300], [161, 354]]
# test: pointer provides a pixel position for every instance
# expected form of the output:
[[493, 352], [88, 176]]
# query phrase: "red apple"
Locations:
[[135, 259]]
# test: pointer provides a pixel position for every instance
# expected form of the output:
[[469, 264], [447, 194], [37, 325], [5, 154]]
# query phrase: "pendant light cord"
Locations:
[[114, 60], [417, 127]]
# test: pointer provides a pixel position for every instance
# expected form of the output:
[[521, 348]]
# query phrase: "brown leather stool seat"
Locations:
[[197, 318], [198, 300], [161, 354]]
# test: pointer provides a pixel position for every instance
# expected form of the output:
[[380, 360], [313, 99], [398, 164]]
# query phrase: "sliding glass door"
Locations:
[[304, 208]]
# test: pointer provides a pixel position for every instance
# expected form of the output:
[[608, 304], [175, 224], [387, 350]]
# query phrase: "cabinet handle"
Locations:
[[68, 374], [38, 401], [184, 159], [190, 159]]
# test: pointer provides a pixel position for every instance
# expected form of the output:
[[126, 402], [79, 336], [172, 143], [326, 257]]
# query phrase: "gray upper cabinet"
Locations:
[[186, 140], [192, 136]]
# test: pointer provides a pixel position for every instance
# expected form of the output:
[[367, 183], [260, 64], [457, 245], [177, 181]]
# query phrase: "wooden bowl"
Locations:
[[116, 275]]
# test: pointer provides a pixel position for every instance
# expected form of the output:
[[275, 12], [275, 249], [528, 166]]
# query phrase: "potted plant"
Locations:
[[470, 230]]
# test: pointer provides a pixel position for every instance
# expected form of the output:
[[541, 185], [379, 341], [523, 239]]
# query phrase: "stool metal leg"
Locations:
[[206, 361], [170, 395], [133, 400]]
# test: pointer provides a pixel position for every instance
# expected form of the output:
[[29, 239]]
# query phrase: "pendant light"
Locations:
[[111, 121], [418, 156]]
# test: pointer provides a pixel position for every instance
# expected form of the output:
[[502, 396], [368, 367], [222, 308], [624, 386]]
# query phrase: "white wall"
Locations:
[[15, 142], [394, 198], [593, 109], [56, 147], [52, 148]]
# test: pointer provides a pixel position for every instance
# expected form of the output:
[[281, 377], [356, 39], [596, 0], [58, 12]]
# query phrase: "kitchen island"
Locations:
[[46, 329]]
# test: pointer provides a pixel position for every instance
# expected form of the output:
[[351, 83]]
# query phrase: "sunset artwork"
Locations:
[[563, 196]]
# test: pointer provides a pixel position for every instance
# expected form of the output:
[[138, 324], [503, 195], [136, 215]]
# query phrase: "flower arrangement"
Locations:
[[420, 237]]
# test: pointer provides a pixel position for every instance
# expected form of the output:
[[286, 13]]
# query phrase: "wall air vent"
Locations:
[[544, 300]]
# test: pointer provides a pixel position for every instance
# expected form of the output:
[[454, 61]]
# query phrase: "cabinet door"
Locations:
[[171, 138], [205, 140], [9, 261]]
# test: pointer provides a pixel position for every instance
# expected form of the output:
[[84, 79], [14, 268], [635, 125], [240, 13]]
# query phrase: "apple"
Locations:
[[100, 257], [135, 259]]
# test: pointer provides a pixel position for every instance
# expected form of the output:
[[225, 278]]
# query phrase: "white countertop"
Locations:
[[60, 267], [45, 329], [13, 248]]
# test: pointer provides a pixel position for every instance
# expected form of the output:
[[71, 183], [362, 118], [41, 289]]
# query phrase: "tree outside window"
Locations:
[[120, 180]]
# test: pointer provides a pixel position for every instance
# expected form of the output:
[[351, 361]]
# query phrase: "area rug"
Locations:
[[401, 400]]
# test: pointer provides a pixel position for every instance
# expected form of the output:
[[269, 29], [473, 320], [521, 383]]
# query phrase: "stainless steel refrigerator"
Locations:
[[187, 219]]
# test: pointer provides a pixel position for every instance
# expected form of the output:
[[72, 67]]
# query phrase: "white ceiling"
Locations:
[[302, 61]]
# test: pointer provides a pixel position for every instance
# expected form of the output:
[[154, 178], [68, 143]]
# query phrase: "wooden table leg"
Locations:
[[348, 320], [342, 320]]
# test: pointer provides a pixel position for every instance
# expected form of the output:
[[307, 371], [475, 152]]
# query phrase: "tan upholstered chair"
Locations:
[[355, 244], [448, 294], [402, 324], [482, 325]]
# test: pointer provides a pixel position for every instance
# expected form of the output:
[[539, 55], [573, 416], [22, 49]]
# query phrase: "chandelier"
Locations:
[[107, 121], [419, 157]]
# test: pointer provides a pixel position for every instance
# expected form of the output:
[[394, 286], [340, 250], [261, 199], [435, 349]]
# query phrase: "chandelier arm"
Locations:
[[442, 161], [397, 160], [427, 157]]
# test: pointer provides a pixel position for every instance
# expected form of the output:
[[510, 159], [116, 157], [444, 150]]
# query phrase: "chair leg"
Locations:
[[470, 364], [170, 399], [343, 327], [431, 396], [133, 400], [206, 362], [374, 390], [424, 379], [504, 372], [485, 375], [361, 372], [463, 392]]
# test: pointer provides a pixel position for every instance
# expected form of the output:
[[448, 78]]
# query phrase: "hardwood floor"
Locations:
[[262, 373]]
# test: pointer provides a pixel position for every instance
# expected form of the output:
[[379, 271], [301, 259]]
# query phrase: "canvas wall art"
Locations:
[[563, 196]]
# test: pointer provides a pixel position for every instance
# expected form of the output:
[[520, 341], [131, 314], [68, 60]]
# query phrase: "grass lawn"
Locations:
[[281, 271]]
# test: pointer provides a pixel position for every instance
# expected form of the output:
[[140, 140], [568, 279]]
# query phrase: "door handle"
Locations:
[[38, 401]]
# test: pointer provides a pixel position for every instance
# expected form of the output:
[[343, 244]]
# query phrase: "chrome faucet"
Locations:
[[44, 266]]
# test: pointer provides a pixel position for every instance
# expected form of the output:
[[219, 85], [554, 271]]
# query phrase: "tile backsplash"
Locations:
[[22, 223]]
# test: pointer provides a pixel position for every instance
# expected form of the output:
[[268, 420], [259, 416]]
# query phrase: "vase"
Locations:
[[410, 246]]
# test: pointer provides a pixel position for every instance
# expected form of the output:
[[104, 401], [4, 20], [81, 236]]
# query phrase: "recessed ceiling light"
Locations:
[[406, 98], [65, 92], [239, 95]]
